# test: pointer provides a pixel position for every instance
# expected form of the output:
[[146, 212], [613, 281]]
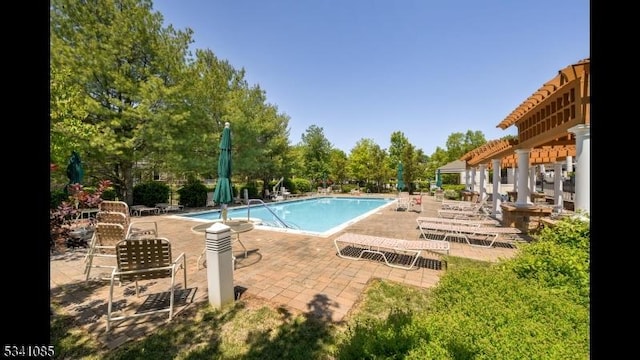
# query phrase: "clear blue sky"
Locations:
[[366, 68]]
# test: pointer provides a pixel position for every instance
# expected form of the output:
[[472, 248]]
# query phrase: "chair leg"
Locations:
[[110, 305]]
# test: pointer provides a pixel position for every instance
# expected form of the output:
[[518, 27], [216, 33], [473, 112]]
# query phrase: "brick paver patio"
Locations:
[[285, 269]]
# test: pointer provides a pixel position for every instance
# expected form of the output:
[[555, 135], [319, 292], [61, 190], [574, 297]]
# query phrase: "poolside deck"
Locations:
[[299, 272]]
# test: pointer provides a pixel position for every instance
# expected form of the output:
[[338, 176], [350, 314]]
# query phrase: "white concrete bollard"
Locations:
[[219, 264]]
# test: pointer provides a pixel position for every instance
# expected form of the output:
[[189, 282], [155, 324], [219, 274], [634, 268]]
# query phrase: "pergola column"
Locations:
[[582, 199], [523, 187], [532, 179], [558, 198], [569, 165], [483, 188], [473, 179], [467, 181], [497, 199]]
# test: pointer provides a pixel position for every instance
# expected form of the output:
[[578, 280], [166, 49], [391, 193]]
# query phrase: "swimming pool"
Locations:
[[320, 216]]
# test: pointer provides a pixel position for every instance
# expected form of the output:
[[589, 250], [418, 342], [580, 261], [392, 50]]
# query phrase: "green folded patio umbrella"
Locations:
[[223, 193], [75, 172], [400, 185], [438, 179]]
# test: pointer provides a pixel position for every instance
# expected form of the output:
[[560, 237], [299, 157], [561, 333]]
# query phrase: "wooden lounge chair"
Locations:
[[387, 248], [142, 260]]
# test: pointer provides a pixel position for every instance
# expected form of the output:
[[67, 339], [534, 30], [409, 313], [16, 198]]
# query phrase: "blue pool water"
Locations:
[[320, 216]]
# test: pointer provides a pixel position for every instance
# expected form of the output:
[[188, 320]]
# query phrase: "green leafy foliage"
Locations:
[[534, 306], [150, 193], [57, 197], [559, 257], [252, 190], [193, 194], [62, 217], [300, 186]]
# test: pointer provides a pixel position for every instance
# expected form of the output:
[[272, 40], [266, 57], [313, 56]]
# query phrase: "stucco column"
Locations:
[[467, 179], [558, 199], [473, 179], [569, 167], [523, 174], [582, 198], [532, 179], [543, 172], [483, 188], [515, 178], [497, 199], [569, 163]]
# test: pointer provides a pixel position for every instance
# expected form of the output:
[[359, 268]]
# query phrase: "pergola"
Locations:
[[553, 124]]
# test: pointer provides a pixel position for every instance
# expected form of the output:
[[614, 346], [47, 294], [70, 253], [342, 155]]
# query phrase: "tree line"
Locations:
[[129, 95]]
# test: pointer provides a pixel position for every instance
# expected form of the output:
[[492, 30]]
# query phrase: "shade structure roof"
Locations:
[[453, 167], [543, 121]]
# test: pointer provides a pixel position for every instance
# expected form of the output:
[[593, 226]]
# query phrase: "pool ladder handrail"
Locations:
[[259, 201]]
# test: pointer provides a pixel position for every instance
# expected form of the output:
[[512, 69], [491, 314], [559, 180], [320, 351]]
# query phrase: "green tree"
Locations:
[[316, 150], [260, 135], [366, 163], [459, 144], [68, 132], [124, 65], [338, 161], [410, 166], [398, 143]]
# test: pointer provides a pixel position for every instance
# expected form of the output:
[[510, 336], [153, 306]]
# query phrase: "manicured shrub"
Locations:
[[559, 258], [193, 194], [57, 197], [252, 190], [494, 314], [451, 194], [150, 193], [300, 186], [533, 306]]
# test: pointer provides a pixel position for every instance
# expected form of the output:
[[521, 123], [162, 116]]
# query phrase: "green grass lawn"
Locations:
[[250, 328]]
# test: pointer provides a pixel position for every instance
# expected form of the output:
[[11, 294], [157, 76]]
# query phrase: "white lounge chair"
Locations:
[[138, 210], [210, 202], [387, 248], [403, 203], [442, 220], [442, 231], [166, 207]]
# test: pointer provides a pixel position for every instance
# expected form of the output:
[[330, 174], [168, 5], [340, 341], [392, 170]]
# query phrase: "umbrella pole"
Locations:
[[224, 213]]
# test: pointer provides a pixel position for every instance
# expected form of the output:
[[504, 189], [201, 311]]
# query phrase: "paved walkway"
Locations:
[[291, 270]]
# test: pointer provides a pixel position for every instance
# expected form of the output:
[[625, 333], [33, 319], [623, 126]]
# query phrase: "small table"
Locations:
[[83, 233], [236, 227], [86, 213]]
